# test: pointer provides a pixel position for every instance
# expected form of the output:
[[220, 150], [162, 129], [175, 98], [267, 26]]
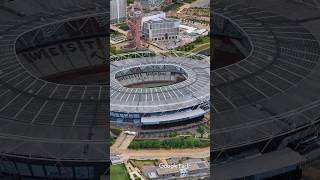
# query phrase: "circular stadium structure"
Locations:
[[268, 101], [53, 123], [152, 90]]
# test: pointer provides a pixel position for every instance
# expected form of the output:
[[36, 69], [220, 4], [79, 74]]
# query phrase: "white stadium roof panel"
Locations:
[[194, 90]]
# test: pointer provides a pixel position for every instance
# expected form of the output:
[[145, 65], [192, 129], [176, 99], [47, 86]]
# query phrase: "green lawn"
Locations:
[[172, 7], [115, 34], [189, 1], [130, 2], [114, 51], [201, 43], [118, 172], [142, 163], [201, 47], [123, 26]]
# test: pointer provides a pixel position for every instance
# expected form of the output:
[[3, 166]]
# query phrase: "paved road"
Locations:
[[118, 141], [122, 142], [186, 6], [121, 147], [164, 154], [201, 3], [133, 171], [126, 142], [155, 49], [115, 28]]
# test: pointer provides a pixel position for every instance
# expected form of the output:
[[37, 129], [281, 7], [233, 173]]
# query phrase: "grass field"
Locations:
[[142, 163], [118, 172], [200, 44], [201, 48]]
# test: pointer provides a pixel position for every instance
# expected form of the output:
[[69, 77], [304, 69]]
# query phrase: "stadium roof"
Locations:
[[275, 89], [172, 117], [44, 120], [194, 90], [265, 163]]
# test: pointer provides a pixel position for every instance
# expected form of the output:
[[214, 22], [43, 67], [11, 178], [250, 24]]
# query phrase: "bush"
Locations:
[[123, 26], [173, 134], [116, 131], [114, 50], [172, 7], [173, 143], [198, 42], [201, 130]]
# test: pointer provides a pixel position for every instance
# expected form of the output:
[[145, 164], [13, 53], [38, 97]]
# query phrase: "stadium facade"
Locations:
[[52, 128], [265, 105], [158, 90]]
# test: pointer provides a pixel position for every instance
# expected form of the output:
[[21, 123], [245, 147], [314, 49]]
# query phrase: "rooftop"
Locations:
[[165, 171], [161, 20], [44, 115]]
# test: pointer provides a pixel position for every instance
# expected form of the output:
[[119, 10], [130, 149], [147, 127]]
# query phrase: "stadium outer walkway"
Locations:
[[163, 154]]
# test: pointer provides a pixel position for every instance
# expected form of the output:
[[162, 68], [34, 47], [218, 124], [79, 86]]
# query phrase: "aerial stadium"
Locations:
[[149, 90], [53, 89], [265, 104]]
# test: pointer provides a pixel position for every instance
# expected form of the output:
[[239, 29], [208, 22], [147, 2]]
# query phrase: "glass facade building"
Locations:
[[161, 29]]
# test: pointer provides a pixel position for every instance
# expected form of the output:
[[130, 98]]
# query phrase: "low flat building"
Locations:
[[152, 175], [192, 31], [201, 167], [116, 159], [164, 173]]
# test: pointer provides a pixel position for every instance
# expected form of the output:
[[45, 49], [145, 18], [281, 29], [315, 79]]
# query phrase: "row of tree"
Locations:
[[173, 143]]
